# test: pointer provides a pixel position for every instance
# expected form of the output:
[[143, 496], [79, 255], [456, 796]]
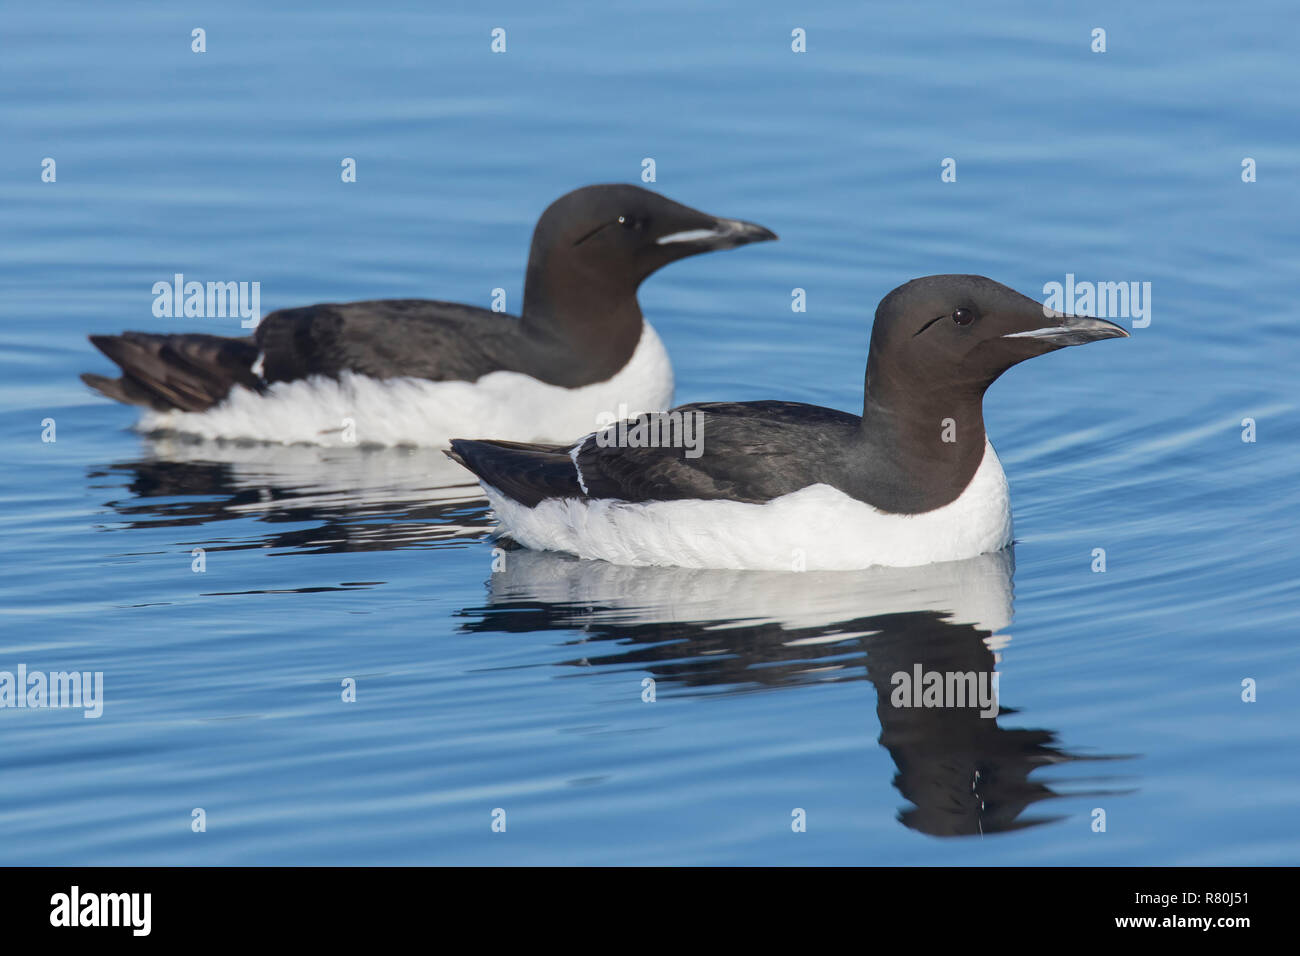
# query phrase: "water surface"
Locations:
[[521, 688]]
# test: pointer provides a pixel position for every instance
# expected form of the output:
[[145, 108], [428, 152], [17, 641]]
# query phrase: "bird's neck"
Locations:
[[577, 308], [924, 445]]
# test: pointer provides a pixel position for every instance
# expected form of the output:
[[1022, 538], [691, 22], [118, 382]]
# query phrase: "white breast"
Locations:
[[815, 528], [411, 411]]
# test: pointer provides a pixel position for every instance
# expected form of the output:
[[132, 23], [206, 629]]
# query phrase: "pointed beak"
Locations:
[[1063, 330], [719, 234]]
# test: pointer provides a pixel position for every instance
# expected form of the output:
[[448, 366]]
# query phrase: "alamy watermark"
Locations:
[[674, 429], [75, 908], [57, 689], [211, 300], [1100, 300], [957, 689]]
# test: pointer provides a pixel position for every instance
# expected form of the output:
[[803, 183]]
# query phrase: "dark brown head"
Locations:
[[593, 248], [956, 334]]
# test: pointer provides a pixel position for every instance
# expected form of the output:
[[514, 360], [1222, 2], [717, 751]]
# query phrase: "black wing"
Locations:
[[390, 338], [393, 338], [747, 451]]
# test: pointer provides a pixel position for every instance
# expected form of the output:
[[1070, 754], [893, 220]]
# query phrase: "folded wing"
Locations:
[[742, 451]]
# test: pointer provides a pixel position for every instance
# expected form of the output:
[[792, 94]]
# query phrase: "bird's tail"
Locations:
[[522, 472], [186, 372]]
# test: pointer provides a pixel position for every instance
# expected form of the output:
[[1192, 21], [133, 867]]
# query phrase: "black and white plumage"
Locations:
[[418, 371], [912, 480]]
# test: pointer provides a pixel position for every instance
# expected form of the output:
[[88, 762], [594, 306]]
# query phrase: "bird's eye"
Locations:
[[628, 222], [963, 316]]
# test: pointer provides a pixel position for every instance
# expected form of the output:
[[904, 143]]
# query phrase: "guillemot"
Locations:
[[416, 371], [783, 485]]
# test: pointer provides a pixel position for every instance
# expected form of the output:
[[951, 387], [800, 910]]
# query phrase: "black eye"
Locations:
[[628, 222], [963, 316]]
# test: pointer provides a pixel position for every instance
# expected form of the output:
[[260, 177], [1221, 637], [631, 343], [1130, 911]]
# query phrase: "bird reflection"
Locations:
[[319, 499], [738, 631]]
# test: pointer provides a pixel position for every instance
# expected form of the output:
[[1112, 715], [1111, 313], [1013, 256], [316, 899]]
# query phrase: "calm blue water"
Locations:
[[522, 690]]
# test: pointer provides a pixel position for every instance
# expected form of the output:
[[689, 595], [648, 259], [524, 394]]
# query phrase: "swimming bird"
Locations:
[[417, 371], [785, 485]]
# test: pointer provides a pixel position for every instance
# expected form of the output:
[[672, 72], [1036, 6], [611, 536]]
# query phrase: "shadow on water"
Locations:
[[324, 500], [741, 631]]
